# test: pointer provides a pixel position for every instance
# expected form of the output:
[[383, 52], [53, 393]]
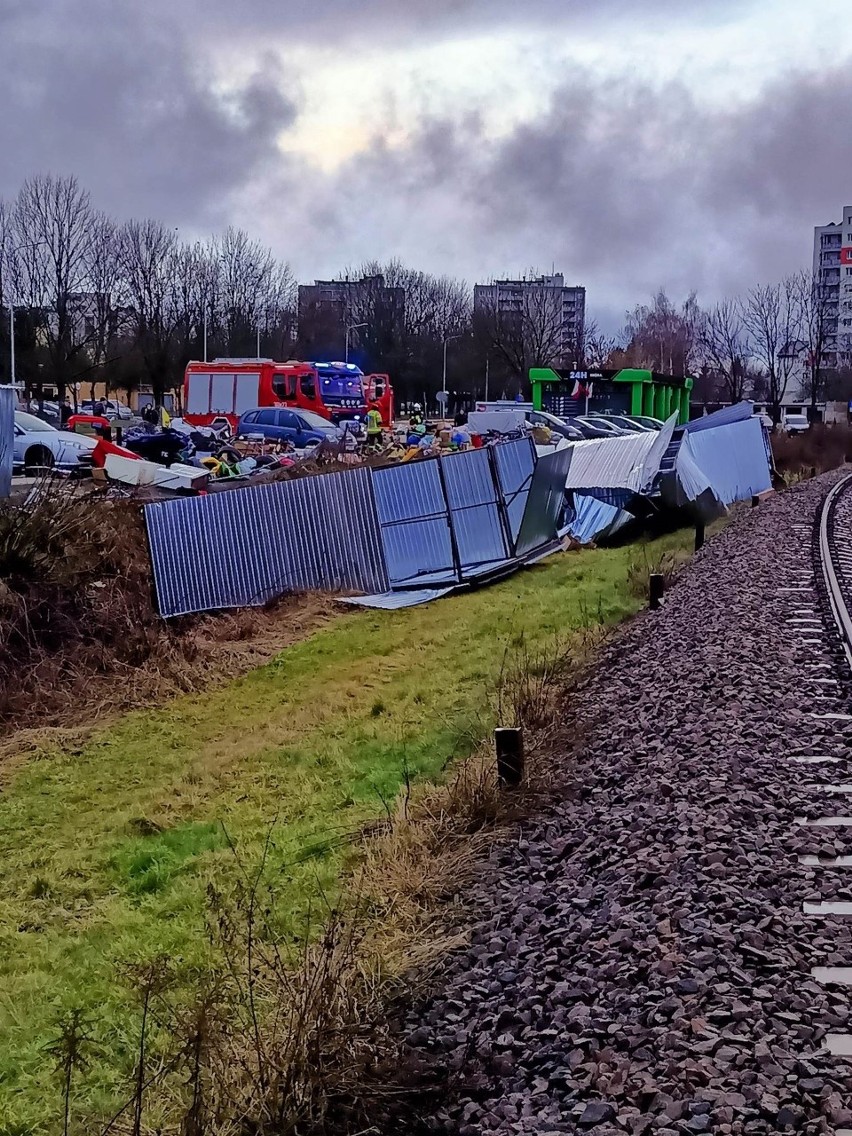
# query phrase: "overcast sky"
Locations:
[[630, 144]]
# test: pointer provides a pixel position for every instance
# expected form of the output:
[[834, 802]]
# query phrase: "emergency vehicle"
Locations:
[[227, 388]]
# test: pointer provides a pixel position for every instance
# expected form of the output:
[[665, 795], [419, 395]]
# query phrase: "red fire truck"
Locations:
[[227, 388]]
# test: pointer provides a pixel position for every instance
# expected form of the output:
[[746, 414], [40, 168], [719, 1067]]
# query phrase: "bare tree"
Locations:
[[598, 348], [253, 289], [106, 302], [725, 344], [529, 330], [662, 337], [772, 318], [149, 255], [53, 228], [814, 301]]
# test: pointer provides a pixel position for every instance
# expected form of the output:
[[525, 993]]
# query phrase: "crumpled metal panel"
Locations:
[[8, 399], [515, 462], [738, 412], [733, 459], [242, 548], [395, 601], [595, 520], [610, 463], [415, 526], [545, 503]]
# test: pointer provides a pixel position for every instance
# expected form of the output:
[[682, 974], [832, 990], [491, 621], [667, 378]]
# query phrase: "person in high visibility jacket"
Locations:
[[374, 427]]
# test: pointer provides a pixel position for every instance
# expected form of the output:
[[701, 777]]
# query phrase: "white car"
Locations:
[[39, 447]]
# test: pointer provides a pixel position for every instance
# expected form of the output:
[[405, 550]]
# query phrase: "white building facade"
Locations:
[[833, 271], [545, 297]]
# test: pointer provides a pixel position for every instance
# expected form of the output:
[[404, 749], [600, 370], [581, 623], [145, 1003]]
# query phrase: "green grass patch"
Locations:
[[105, 854]]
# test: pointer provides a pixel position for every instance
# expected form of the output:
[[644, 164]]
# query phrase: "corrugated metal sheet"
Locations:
[[610, 463], [595, 520], [732, 458], [478, 528], [545, 503], [395, 601], [515, 463], [243, 548], [415, 528], [738, 412], [8, 399]]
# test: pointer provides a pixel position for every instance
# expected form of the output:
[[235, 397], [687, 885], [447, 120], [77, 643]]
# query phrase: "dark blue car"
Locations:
[[300, 427]]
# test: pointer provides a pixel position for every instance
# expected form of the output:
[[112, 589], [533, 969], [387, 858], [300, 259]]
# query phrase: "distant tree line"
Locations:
[[130, 304], [777, 341]]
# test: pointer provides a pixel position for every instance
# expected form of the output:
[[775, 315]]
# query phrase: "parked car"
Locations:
[[796, 423], [587, 430], [647, 420], [623, 422], [112, 408], [609, 429], [299, 427], [39, 446], [557, 425]]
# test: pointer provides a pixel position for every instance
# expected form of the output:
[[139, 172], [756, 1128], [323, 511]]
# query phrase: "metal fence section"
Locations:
[[415, 527], [515, 462], [8, 398], [242, 548], [479, 529], [430, 524]]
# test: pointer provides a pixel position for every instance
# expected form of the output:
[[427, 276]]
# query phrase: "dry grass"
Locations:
[[80, 637], [304, 1042], [806, 455]]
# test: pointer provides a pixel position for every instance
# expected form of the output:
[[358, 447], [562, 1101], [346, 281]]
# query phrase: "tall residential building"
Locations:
[[833, 270], [544, 300], [330, 302]]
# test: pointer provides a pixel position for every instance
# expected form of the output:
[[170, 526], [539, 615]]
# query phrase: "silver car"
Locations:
[[40, 446]]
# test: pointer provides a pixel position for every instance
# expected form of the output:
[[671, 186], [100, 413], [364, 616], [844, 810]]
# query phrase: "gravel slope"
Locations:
[[641, 961]]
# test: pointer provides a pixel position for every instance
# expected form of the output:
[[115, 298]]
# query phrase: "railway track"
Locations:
[[669, 949], [835, 559]]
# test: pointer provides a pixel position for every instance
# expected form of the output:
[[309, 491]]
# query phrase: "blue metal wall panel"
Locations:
[[733, 459], [405, 492], [515, 462], [415, 528], [468, 479], [8, 399], [475, 511], [242, 548]]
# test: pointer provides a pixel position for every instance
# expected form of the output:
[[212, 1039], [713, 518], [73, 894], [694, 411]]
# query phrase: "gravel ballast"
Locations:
[[640, 957]]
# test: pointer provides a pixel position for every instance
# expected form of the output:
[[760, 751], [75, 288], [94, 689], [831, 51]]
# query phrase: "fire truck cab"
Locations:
[[227, 388]]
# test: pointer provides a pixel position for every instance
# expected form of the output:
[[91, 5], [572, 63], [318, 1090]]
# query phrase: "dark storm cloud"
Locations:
[[624, 186], [335, 22], [99, 90]]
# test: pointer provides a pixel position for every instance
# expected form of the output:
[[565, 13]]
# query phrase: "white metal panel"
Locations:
[[198, 393], [221, 393], [246, 392]]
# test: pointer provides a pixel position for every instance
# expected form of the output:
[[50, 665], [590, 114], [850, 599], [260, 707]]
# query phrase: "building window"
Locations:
[[849, 271]]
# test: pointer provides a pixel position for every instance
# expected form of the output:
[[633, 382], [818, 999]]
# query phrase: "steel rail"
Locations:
[[839, 608]]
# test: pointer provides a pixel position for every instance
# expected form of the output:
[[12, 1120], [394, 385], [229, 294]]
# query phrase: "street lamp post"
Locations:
[[351, 327], [446, 341]]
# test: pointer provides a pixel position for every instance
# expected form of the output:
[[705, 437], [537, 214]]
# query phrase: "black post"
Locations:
[[509, 743], [755, 501], [656, 586], [699, 535], [119, 434]]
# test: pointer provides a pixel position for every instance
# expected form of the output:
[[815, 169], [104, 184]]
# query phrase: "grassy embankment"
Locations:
[[105, 853]]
